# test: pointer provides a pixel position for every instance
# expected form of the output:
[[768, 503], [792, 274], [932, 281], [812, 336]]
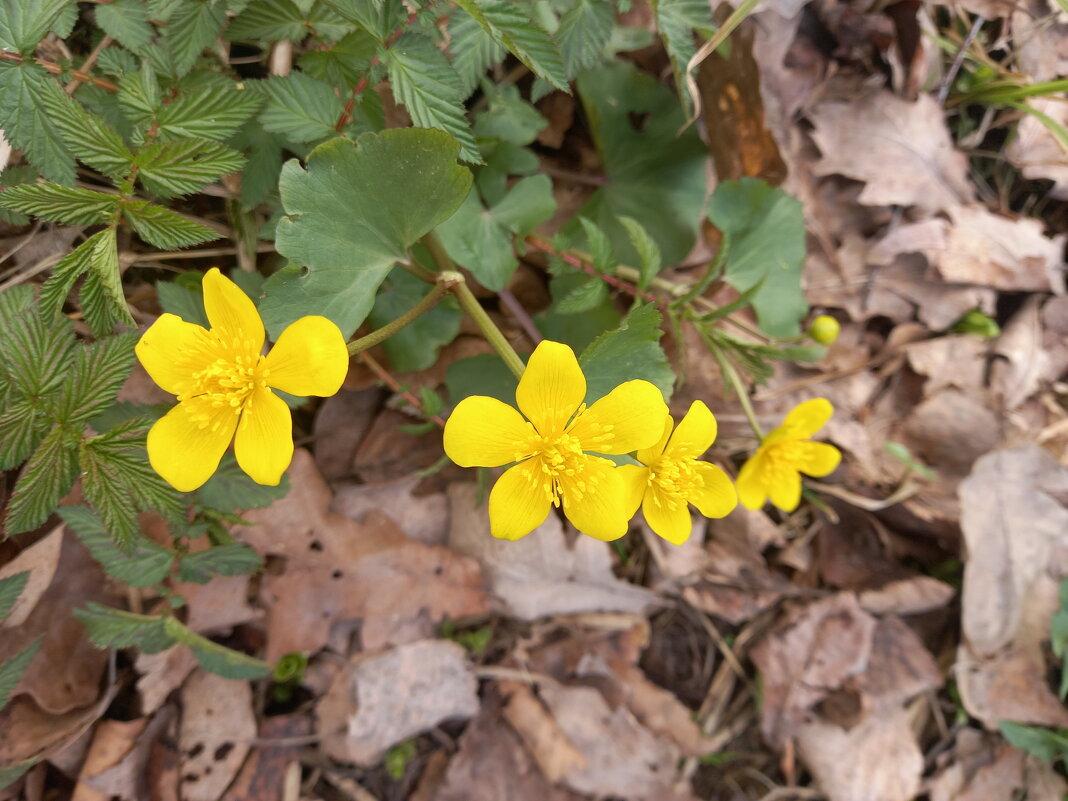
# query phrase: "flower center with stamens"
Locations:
[[222, 379], [561, 458], [676, 477]]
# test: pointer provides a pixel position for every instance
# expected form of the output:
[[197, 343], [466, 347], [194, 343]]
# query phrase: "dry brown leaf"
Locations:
[[541, 575], [161, 674], [980, 767], [337, 570], [950, 430], [263, 776], [492, 764], [1036, 152], [381, 457], [908, 596], [555, 754], [955, 360], [902, 151], [422, 517], [1026, 362], [381, 699], [1010, 685], [66, 671], [340, 424], [215, 735], [114, 765], [877, 760], [40, 560]]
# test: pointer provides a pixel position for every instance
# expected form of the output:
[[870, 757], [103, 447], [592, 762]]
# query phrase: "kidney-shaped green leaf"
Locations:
[[351, 214]]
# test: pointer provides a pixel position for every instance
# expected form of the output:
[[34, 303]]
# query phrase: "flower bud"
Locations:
[[824, 329]]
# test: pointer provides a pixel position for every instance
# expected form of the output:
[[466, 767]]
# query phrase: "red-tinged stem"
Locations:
[[383, 374], [580, 264], [56, 69], [361, 85]]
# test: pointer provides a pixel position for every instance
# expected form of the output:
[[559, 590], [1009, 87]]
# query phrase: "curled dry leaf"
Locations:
[[901, 150], [337, 570], [215, 735], [263, 776], [161, 674], [40, 561], [379, 700], [115, 763], [541, 575], [908, 596], [1026, 362], [422, 517]]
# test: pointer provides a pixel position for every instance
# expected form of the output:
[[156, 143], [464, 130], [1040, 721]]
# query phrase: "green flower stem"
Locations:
[[469, 303], [441, 288], [730, 374]]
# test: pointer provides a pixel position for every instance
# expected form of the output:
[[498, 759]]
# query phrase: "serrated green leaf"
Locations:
[[184, 166], [264, 151], [55, 203], [481, 239], [192, 26], [36, 354], [378, 17], [268, 21], [343, 64], [48, 476], [25, 93], [417, 184], [11, 588], [115, 628], [16, 176], [509, 118], [604, 260], [767, 244], [510, 24], [576, 330], [577, 293], [649, 261], [583, 34], [117, 62], [631, 351], [230, 490], [301, 108], [232, 559], [428, 86], [416, 346], [88, 137], [217, 658], [1045, 745], [139, 95], [164, 228], [11, 670], [23, 425], [142, 564], [24, 23], [125, 21], [97, 374], [651, 172], [213, 113], [473, 50]]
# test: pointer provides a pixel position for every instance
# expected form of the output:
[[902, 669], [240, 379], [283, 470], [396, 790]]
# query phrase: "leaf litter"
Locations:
[[889, 642]]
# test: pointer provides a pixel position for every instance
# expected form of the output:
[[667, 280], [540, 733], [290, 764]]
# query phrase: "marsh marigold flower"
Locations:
[[670, 477], [551, 445], [774, 471], [223, 384]]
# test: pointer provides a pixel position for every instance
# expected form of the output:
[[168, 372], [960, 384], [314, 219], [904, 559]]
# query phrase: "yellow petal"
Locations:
[[807, 418], [594, 499], [264, 443], [717, 498], [552, 387], [232, 314], [185, 449], [784, 489], [695, 433], [651, 454], [309, 358], [815, 458], [164, 348], [668, 516], [635, 482], [750, 484], [517, 503], [484, 432], [628, 418]]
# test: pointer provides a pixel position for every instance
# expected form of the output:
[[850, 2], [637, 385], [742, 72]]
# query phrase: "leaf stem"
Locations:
[[730, 374], [441, 287], [56, 69]]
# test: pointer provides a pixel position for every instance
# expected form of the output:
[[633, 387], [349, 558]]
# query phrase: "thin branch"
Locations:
[[361, 85], [56, 69], [579, 264], [87, 65], [384, 375]]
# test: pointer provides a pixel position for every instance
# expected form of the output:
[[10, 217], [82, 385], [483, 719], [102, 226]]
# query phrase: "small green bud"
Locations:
[[290, 667], [975, 322], [824, 329]]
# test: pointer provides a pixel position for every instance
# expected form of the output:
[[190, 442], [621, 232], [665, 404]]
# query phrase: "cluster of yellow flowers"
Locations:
[[554, 463], [223, 384]]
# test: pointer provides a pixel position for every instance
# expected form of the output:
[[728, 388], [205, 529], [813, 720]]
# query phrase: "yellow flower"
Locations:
[[671, 477], [550, 449], [774, 471], [223, 385]]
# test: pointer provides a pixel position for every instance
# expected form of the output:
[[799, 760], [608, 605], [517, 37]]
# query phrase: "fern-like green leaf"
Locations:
[[233, 559], [11, 588], [473, 50], [217, 658], [511, 25], [677, 20], [98, 373], [139, 95], [23, 425], [193, 25], [125, 21], [428, 86], [114, 628], [164, 228], [65, 204], [143, 564], [47, 477], [182, 167], [88, 137], [584, 31], [301, 108], [11, 670], [36, 354], [26, 91], [214, 113], [268, 21]]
